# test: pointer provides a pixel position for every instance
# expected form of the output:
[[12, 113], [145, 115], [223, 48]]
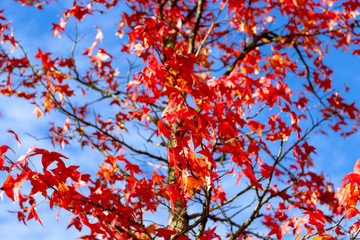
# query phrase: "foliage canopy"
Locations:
[[201, 109]]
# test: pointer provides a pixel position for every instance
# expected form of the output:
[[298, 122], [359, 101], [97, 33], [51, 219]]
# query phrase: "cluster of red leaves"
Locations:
[[202, 119], [348, 196], [61, 185], [106, 210]]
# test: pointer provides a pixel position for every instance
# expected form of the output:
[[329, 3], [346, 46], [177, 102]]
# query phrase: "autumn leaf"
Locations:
[[249, 173], [357, 167], [16, 137], [324, 237], [33, 214]]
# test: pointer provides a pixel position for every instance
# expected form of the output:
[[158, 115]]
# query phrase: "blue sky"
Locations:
[[335, 155], [33, 29]]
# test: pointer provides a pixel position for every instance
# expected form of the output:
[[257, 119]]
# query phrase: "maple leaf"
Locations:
[[77, 11], [48, 157], [8, 187], [1, 15], [166, 233], [249, 173], [209, 157], [163, 129], [354, 227], [283, 229], [58, 28], [33, 214], [219, 194], [210, 234], [76, 222], [351, 212]]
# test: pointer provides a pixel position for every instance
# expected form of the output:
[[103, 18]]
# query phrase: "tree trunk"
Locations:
[[178, 217]]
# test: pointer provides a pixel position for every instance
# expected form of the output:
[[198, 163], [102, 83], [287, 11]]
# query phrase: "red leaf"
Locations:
[[210, 234], [357, 51], [8, 184], [174, 193], [48, 157], [22, 159], [33, 214], [209, 157], [8, 187], [76, 222], [283, 229], [78, 12], [163, 129], [21, 217], [351, 178], [266, 170], [165, 232], [16, 137], [354, 227], [351, 212], [249, 173], [3, 149], [255, 126], [1, 16], [357, 166]]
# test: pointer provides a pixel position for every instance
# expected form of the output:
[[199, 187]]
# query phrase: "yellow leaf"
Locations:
[[63, 188], [324, 237]]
